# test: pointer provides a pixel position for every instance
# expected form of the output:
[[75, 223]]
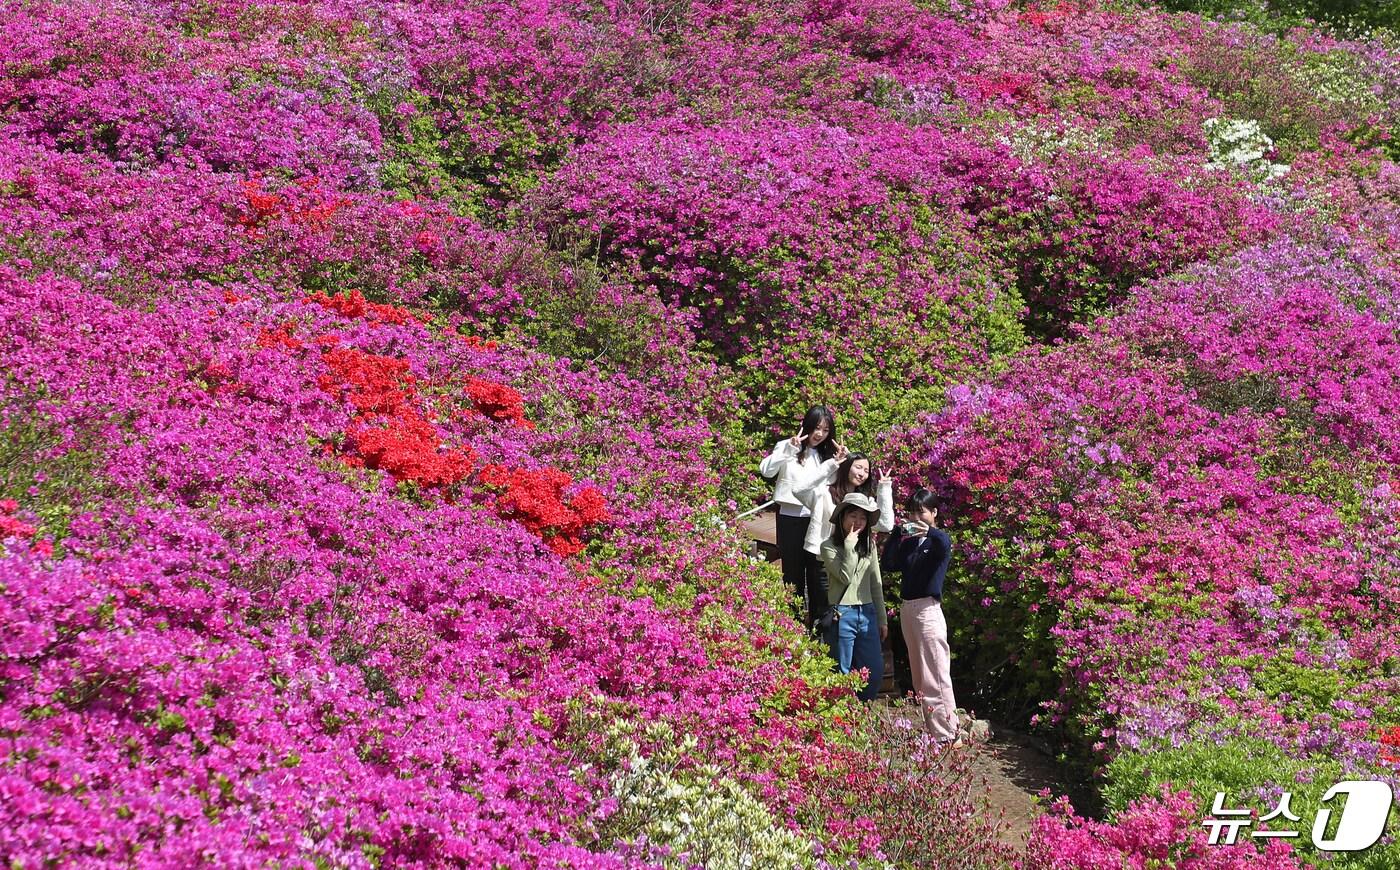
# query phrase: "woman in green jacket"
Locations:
[[855, 592]]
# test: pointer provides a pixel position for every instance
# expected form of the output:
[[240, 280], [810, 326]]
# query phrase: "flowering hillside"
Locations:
[[380, 379]]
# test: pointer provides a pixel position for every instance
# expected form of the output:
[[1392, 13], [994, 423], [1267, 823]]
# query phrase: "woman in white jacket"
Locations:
[[796, 462], [821, 495]]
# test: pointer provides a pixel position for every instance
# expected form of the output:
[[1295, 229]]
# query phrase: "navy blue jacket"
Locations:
[[921, 562]]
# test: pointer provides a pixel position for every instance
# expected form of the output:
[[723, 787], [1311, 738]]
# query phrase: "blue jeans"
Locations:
[[855, 643]]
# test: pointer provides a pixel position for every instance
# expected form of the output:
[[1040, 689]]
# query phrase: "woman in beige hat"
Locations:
[[857, 597]]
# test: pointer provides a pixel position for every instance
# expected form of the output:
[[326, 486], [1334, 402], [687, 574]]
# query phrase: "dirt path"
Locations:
[[1015, 772]]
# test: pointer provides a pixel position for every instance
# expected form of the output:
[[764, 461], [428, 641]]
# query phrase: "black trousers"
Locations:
[[801, 570]]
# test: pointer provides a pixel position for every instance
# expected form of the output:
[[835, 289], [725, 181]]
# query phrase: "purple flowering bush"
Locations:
[[243, 645], [776, 234], [1170, 528]]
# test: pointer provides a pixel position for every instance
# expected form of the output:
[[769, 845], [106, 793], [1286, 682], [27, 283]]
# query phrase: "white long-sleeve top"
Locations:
[[791, 474], [816, 497]]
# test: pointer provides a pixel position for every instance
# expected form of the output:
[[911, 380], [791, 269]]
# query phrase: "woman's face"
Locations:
[[860, 472], [924, 515], [853, 521], [818, 434]]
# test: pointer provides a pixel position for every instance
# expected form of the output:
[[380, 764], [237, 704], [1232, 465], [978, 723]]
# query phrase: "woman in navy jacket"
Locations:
[[920, 552]]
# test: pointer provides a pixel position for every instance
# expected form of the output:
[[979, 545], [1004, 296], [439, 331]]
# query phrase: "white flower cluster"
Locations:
[[1031, 142], [1240, 143], [694, 817]]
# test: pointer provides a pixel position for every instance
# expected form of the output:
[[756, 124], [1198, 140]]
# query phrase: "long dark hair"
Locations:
[[816, 415], [842, 487], [864, 543]]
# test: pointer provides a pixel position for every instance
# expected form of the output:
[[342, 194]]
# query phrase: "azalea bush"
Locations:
[[745, 227], [1176, 549], [1163, 829]]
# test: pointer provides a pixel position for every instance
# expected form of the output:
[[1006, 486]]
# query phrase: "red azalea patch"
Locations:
[[220, 380], [373, 384], [535, 498], [477, 342], [283, 336], [262, 207], [393, 435], [498, 401], [1017, 86], [409, 449], [354, 305], [1390, 745], [10, 527], [316, 216]]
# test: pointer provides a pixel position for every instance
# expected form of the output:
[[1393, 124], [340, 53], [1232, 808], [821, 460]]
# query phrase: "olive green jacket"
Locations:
[[853, 579]]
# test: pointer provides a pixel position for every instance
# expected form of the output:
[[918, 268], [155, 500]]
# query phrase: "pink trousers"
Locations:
[[926, 635]]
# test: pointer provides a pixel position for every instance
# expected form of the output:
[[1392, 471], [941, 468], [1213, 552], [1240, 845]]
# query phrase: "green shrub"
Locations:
[[1283, 14], [1252, 773]]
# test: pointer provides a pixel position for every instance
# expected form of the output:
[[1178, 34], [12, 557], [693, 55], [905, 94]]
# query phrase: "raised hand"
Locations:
[[882, 474], [841, 453], [796, 440]]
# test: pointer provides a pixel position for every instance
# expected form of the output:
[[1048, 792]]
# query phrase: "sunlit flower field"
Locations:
[[380, 383]]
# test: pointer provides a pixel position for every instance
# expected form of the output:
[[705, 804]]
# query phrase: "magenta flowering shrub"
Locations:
[[811, 258], [133, 84], [1101, 224], [1170, 528], [268, 632], [1164, 829], [479, 99]]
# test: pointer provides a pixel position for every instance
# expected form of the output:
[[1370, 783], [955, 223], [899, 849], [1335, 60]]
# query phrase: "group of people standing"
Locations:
[[832, 503]]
